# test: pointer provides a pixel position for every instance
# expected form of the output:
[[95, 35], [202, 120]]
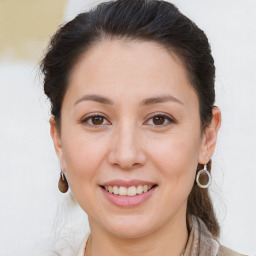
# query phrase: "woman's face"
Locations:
[[130, 118]]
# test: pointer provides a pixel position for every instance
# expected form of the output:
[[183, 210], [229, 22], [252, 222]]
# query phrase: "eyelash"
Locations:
[[166, 117]]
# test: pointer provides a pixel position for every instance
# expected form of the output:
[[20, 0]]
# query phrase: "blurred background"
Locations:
[[34, 216]]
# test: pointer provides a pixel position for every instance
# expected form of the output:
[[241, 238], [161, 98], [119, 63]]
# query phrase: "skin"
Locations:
[[128, 143]]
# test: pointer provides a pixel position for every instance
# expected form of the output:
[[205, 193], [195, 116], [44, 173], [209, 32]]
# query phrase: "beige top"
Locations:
[[200, 242]]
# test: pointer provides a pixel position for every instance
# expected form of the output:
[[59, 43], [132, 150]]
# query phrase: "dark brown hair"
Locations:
[[137, 20]]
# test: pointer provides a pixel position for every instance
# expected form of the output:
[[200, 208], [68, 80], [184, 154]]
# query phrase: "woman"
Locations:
[[131, 85]]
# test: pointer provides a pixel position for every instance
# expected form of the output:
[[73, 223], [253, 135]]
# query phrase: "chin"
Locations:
[[131, 227]]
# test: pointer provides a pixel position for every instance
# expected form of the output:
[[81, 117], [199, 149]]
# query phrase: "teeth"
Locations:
[[145, 188], [122, 191], [130, 191], [139, 189], [115, 190]]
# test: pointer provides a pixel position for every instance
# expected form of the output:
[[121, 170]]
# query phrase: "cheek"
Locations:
[[176, 162], [82, 158], [176, 157]]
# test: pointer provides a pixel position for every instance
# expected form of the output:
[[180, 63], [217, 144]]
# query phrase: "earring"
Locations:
[[63, 183], [203, 178]]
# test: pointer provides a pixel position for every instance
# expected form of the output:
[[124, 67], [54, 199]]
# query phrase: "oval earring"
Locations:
[[63, 183], [204, 178]]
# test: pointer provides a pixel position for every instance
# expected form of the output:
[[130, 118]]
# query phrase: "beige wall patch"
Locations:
[[27, 25]]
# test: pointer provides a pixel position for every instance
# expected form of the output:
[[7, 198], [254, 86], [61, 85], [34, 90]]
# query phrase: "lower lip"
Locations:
[[128, 201]]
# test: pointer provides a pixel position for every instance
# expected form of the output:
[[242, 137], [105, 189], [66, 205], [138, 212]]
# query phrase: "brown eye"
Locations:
[[158, 120], [97, 120]]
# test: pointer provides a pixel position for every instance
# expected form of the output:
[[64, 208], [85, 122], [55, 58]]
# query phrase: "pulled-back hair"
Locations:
[[137, 20]]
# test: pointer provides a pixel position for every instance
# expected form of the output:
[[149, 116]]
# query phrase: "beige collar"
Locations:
[[200, 241]]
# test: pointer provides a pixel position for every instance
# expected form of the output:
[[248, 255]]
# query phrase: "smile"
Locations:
[[126, 197], [128, 191]]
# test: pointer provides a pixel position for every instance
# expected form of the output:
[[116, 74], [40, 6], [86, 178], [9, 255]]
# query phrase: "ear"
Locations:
[[210, 137], [55, 134]]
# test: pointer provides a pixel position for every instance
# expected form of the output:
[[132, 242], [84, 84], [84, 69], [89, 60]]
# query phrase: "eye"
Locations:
[[161, 120], [94, 120]]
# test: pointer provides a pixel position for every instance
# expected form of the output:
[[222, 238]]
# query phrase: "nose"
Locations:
[[126, 150]]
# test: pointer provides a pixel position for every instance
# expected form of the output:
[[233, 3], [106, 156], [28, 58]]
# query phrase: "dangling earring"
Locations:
[[203, 178], [63, 184]]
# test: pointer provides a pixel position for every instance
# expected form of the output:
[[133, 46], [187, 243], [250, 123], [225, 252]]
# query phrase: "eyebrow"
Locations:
[[145, 102]]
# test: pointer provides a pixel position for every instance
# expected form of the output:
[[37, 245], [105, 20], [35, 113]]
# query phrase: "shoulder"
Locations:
[[224, 251]]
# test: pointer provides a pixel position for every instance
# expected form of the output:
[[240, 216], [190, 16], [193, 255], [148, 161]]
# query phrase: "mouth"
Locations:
[[128, 191], [129, 196]]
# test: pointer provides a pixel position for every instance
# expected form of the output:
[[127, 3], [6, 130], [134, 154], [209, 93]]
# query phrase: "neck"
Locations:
[[169, 240]]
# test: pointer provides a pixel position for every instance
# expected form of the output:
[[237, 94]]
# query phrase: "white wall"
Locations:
[[29, 169]]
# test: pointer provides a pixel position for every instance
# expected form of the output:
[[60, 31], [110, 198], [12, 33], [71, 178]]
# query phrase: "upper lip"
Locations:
[[127, 183]]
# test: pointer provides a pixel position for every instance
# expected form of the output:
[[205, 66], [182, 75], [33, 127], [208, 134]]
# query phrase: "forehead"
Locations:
[[123, 67]]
